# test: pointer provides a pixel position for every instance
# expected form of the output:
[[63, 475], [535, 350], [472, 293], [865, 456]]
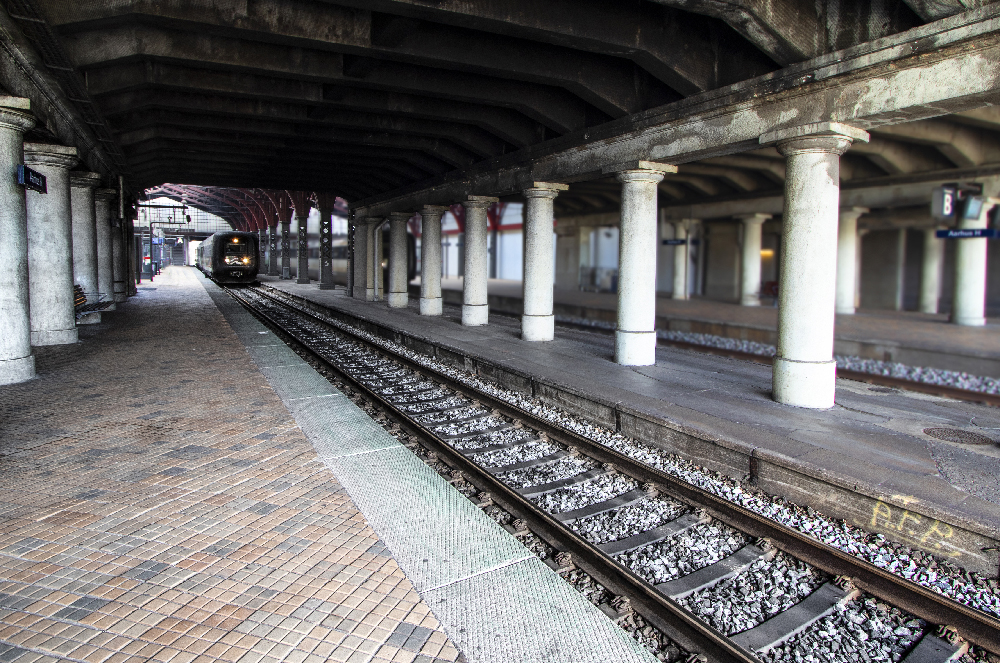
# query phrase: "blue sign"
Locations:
[[678, 242], [31, 179], [967, 233]]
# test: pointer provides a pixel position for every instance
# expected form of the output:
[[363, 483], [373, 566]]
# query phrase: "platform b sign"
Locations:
[[31, 179]]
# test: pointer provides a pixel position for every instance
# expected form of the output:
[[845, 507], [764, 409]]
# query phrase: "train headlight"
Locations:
[[246, 261]]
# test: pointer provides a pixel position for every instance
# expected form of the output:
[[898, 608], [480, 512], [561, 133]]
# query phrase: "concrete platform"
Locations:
[[919, 339], [866, 460], [180, 486]]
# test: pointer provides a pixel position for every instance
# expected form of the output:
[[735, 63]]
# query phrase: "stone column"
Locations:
[[50, 246], [377, 256], [537, 320], [750, 258], [286, 248], [262, 251], [696, 232], [120, 262], [475, 301], [930, 272], [804, 372], [430, 259], [969, 301], [325, 207], [273, 243], [105, 254], [84, 224], [359, 231], [17, 364], [681, 260], [398, 297], [847, 258], [302, 235], [635, 337]]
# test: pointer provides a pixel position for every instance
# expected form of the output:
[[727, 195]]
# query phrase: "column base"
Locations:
[[302, 281], [750, 300], [92, 318], [286, 273], [398, 299], [635, 348], [678, 296], [54, 337], [966, 321], [369, 294], [475, 315], [431, 306], [120, 297], [847, 310], [13, 371], [809, 384], [538, 327], [327, 286]]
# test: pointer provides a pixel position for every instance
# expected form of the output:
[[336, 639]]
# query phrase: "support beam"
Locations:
[[103, 206], [84, 227], [430, 259], [475, 302], [969, 301], [931, 266], [847, 258], [17, 364], [50, 246], [537, 320], [635, 336], [398, 297], [750, 258], [804, 372]]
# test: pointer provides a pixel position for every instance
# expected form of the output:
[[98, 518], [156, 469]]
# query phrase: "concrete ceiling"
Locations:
[[363, 98]]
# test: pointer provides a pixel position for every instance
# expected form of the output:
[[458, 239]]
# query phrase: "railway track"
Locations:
[[717, 579]]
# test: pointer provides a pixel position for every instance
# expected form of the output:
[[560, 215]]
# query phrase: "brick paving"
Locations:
[[158, 502]]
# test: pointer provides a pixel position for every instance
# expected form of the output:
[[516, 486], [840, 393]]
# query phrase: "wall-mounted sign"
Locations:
[[678, 242], [31, 179], [967, 233], [956, 200]]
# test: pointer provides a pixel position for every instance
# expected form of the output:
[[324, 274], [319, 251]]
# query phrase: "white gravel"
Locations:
[[564, 468], [451, 415], [517, 454], [972, 589], [864, 630], [493, 438], [418, 407], [937, 376], [766, 588], [584, 494], [692, 549], [628, 520], [470, 427]]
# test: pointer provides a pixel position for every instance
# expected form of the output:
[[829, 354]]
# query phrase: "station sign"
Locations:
[[678, 242], [954, 201], [967, 233], [31, 179]]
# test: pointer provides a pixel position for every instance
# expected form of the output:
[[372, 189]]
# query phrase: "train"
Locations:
[[230, 257]]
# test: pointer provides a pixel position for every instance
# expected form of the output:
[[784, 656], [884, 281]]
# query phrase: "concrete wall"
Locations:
[[722, 279], [882, 269]]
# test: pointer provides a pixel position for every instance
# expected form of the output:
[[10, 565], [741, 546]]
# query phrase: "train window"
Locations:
[[235, 248]]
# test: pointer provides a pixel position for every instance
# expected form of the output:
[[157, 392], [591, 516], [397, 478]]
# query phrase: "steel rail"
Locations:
[[973, 625]]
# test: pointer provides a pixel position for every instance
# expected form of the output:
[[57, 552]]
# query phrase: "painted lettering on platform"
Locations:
[[920, 531]]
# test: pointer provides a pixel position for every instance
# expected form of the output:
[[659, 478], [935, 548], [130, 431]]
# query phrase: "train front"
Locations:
[[236, 258]]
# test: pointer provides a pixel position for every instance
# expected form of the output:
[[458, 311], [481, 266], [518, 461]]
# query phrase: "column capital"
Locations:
[[45, 154], [83, 180], [106, 194], [15, 119], [852, 212], [532, 189], [753, 218], [481, 202], [830, 137], [640, 175], [648, 166], [405, 216], [433, 210]]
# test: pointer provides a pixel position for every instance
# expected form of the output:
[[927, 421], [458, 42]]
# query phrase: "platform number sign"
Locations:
[[943, 203], [31, 179]]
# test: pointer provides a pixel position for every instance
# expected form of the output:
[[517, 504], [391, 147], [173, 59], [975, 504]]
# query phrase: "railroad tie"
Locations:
[[727, 567], [800, 616], [655, 535]]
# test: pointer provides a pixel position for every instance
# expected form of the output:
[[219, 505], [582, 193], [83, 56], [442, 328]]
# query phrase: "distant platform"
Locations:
[[917, 339], [866, 460]]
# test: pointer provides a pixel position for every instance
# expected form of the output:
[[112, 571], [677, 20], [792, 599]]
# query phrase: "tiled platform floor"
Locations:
[[159, 503]]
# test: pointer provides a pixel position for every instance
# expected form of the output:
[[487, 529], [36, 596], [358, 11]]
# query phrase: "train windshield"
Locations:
[[237, 252]]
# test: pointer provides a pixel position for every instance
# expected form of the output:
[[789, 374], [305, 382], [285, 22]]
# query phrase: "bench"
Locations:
[[81, 306]]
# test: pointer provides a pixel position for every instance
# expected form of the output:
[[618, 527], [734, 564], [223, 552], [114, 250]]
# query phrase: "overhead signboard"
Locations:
[[957, 200], [967, 233], [31, 179]]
